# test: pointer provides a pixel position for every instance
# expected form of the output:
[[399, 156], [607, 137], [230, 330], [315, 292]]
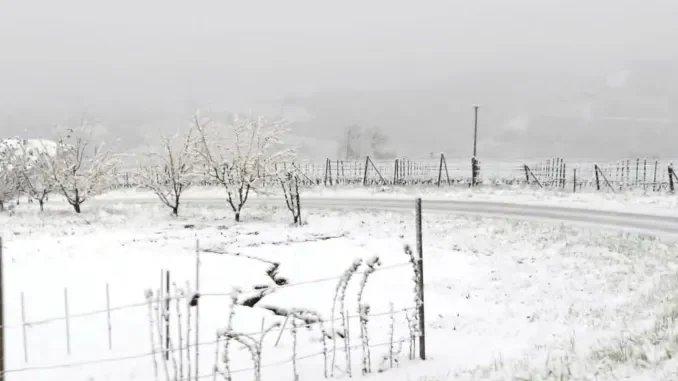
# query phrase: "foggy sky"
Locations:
[[58, 58]]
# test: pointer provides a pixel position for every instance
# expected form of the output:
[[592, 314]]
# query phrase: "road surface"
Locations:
[[646, 223]]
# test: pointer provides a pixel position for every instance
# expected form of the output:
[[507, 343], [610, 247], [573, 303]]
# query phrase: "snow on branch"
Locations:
[[31, 160], [172, 170], [81, 169], [8, 177], [241, 155]]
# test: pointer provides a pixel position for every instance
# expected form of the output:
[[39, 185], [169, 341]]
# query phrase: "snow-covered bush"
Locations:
[[240, 155], [171, 170]]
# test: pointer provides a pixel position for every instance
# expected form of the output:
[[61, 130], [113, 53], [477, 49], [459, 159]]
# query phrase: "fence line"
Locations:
[[157, 347], [283, 362], [177, 349], [176, 298], [550, 172]]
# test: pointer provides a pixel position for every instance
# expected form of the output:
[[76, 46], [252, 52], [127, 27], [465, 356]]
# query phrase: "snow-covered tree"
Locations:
[[79, 168], [8, 183], [289, 181], [241, 155], [33, 172], [172, 170]]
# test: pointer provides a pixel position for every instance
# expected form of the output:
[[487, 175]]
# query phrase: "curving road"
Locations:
[[646, 223]]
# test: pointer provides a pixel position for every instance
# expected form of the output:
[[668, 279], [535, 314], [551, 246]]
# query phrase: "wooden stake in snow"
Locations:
[[23, 326], [420, 263], [2, 319], [197, 310], [277, 341], [68, 322], [108, 317], [167, 314], [574, 182]]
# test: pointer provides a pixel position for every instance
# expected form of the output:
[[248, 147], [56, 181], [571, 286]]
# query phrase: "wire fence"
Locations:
[[627, 174], [162, 347]]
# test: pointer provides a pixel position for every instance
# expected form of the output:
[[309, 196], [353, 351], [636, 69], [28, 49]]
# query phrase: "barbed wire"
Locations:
[[177, 298], [156, 351]]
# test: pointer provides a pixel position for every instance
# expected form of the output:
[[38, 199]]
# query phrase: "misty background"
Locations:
[[577, 78]]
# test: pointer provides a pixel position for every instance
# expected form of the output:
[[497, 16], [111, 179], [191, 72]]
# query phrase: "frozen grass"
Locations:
[[504, 300]]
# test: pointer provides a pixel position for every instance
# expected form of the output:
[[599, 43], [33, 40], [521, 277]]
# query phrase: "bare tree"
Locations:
[[379, 144], [171, 171], [80, 169], [358, 141], [289, 181], [241, 155], [351, 146]]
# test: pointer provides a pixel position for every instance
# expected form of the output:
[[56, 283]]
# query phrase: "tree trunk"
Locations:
[[2, 206], [42, 205], [76, 206], [175, 209], [237, 216]]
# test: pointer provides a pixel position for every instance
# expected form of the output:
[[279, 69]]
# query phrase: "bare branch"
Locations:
[[171, 171], [242, 155]]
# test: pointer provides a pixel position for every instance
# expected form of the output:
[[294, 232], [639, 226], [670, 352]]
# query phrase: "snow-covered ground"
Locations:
[[504, 299]]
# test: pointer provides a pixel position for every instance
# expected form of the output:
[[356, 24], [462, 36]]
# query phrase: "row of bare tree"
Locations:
[[240, 156]]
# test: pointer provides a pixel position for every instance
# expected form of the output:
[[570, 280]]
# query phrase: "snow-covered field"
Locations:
[[503, 299]]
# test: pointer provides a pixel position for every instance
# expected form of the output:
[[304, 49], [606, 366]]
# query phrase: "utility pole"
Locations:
[[474, 161], [475, 130]]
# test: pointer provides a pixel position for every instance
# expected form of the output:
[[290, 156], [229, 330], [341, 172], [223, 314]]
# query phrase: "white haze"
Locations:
[[557, 77]]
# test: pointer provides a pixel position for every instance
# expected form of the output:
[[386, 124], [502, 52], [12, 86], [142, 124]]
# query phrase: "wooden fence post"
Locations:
[[420, 281], [440, 169], [67, 315], [645, 174], [108, 317], [367, 161], [595, 168], [637, 169], [395, 172], [527, 174], [654, 180], [2, 319], [326, 170], [574, 182]]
